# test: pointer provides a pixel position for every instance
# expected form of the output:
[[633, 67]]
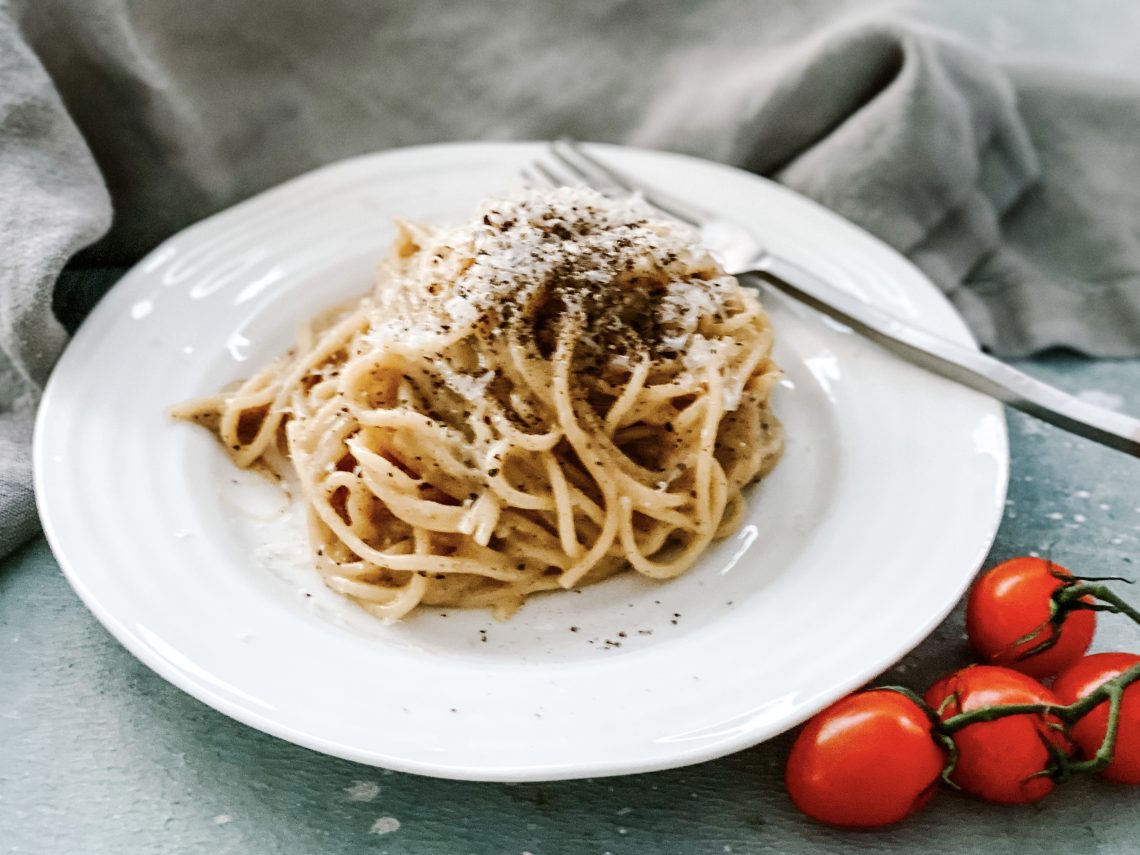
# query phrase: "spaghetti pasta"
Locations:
[[558, 390]]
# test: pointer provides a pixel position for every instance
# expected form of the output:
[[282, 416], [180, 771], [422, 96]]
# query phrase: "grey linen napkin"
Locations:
[[1013, 188], [52, 203]]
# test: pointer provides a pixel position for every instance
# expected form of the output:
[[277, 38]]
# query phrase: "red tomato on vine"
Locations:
[[1081, 678], [1012, 601], [1005, 760]]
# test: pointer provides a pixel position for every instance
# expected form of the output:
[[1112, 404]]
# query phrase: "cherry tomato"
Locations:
[[1011, 601], [869, 759], [1082, 677], [998, 760]]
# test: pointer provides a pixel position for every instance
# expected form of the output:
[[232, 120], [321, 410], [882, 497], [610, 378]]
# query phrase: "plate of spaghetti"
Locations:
[[411, 464]]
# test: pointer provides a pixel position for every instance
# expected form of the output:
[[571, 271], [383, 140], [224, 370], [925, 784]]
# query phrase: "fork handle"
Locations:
[[959, 363]]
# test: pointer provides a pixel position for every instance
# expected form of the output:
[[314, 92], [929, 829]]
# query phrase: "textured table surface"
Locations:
[[99, 755]]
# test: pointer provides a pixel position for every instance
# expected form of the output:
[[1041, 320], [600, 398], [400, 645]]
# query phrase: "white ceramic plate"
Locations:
[[853, 550]]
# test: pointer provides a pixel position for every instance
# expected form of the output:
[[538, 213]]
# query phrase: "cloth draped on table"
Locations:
[[1013, 188]]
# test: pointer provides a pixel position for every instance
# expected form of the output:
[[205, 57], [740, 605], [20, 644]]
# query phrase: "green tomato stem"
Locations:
[[1104, 754], [1070, 598], [1068, 714]]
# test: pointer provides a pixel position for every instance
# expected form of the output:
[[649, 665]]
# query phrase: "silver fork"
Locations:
[[569, 163]]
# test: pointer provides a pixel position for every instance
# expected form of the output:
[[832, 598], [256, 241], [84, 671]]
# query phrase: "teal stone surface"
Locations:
[[100, 755]]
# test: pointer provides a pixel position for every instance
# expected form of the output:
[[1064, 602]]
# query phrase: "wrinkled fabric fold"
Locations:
[[52, 203]]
